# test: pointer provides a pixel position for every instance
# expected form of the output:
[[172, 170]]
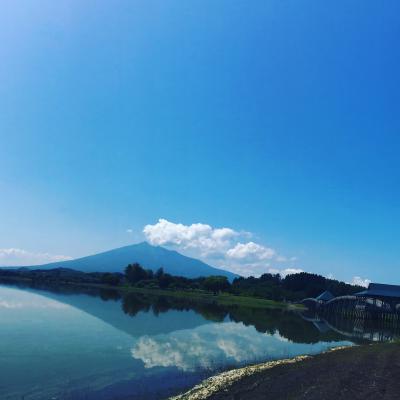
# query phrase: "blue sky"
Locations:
[[279, 119]]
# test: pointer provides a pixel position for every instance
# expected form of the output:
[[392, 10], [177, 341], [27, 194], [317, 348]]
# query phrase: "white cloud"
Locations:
[[225, 248], [201, 237], [357, 280], [286, 271], [250, 252], [244, 269], [129, 230], [18, 257], [290, 271]]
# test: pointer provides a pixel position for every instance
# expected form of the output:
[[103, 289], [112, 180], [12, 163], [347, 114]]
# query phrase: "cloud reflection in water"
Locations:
[[11, 298], [215, 346]]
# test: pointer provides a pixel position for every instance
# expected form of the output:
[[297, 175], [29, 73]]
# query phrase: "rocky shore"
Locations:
[[361, 372]]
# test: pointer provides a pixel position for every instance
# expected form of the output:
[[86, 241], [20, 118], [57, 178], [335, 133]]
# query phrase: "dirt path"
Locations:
[[366, 372]]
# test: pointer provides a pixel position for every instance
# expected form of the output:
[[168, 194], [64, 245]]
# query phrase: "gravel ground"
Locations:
[[370, 372]]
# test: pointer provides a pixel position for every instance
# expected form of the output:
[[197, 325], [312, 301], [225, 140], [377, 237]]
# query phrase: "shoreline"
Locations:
[[340, 373], [224, 380], [222, 299]]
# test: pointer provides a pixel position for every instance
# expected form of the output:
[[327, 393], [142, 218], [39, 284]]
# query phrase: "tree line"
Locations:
[[269, 286], [136, 275]]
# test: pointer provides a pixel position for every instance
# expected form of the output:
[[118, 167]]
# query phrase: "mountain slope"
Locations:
[[150, 257]]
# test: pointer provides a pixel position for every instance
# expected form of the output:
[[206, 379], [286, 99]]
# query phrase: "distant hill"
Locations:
[[150, 257]]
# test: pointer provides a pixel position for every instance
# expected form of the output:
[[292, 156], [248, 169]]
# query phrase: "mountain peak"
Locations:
[[144, 244], [147, 255]]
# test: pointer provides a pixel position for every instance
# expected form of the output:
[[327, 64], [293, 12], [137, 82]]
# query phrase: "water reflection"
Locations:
[[216, 346], [358, 329], [71, 342], [46, 346], [12, 300], [143, 307]]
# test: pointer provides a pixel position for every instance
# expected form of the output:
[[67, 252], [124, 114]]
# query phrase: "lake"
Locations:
[[77, 343]]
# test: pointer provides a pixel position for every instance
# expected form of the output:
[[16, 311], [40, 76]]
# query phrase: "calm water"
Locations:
[[57, 344]]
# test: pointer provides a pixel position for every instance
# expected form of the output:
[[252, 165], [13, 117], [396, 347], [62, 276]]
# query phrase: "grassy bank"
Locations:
[[221, 298], [224, 299], [361, 372]]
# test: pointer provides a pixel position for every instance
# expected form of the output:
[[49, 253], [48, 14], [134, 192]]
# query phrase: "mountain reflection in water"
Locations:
[[288, 324], [86, 343], [310, 328]]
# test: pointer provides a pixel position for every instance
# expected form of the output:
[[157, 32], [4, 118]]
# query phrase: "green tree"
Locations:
[[165, 280], [216, 284], [109, 278], [159, 273], [135, 273]]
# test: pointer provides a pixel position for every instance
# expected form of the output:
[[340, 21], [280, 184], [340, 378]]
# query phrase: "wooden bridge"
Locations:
[[378, 302], [359, 329]]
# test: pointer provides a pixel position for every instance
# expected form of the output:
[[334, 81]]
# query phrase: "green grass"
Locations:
[[222, 298]]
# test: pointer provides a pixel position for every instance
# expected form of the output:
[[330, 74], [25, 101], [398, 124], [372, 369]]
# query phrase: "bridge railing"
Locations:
[[357, 307]]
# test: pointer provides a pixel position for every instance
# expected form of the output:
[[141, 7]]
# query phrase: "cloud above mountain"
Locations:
[[250, 252], [16, 257], [224, 247], [202, 237]]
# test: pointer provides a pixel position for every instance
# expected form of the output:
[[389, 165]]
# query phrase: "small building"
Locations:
[[382, 296], [381, 291]]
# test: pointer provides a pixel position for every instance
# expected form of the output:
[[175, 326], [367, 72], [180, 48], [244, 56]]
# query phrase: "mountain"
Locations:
[[150, 257]]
